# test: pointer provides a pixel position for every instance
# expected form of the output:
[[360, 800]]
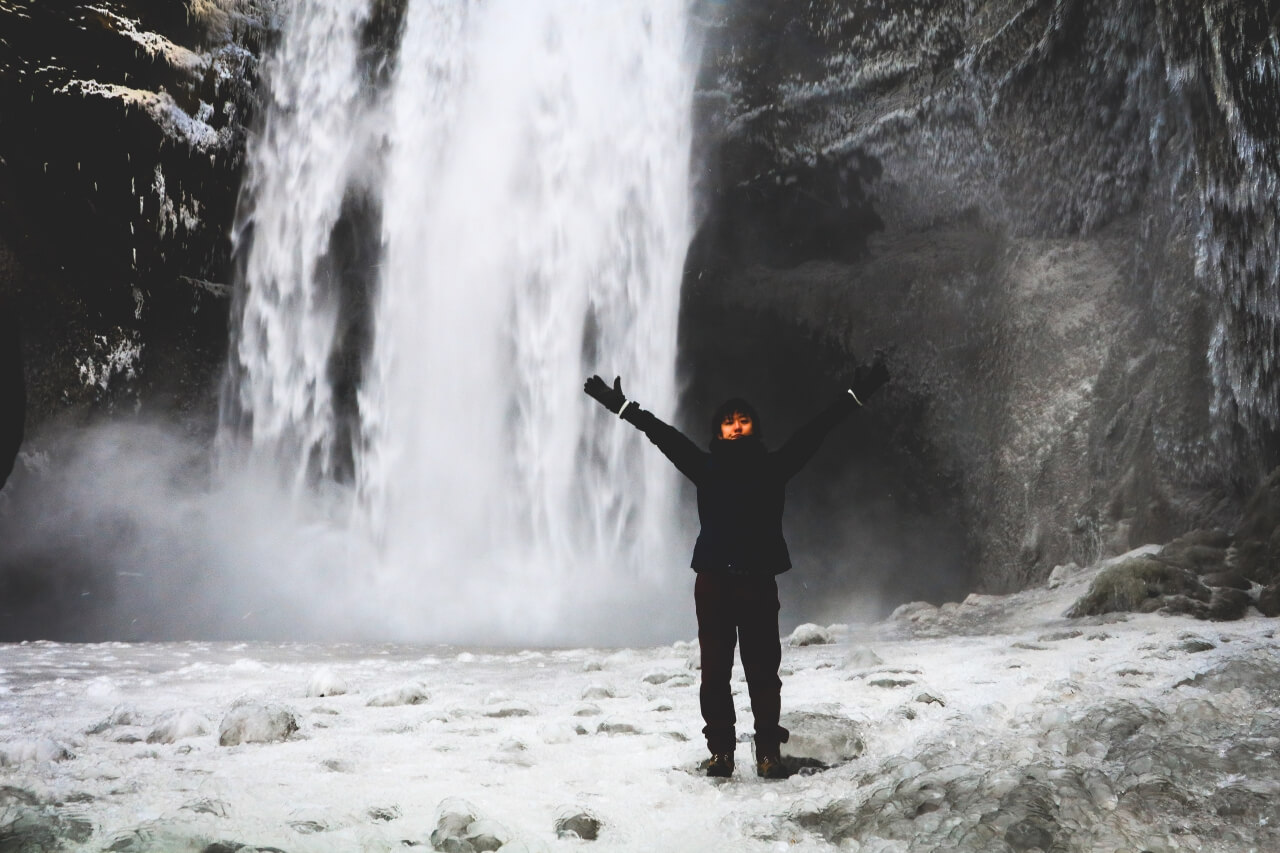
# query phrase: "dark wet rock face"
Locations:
[[122, 128], [1013, 197]]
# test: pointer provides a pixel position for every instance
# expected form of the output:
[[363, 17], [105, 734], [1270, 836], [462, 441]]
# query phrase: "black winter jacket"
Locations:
[[741, 488]]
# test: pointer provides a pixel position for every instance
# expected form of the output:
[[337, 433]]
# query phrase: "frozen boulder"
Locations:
[[501, 710], [486, 835], [1061, 573], [914, 611], [403, 694], [254, 723], [177, 725], [324, 682], [600, 691], [122, 715], [459, 829], [38, 751], [809, 634], [824, 738], [657, 677], [578, 823], [861, 657]]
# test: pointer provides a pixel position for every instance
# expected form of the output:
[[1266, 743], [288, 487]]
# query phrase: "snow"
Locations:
[[991, 725]]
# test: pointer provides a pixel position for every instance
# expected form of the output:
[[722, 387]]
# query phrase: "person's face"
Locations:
[[736, 425]]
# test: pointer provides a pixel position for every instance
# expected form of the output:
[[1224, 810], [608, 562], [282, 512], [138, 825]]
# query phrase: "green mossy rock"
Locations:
[[1138, 584]]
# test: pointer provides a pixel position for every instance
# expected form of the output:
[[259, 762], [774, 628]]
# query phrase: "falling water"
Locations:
[[529, 166]]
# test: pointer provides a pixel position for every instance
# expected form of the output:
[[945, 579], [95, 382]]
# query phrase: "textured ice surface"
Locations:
[[996, 725]]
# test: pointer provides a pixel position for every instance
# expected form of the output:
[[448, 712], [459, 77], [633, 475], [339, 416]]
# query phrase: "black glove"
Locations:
[[611, 398], [867, 379]]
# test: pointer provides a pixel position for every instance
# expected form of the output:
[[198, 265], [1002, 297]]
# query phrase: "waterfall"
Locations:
[[525, 166]]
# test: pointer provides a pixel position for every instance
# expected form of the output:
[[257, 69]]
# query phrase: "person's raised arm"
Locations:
[[675, 445], [800, 448]]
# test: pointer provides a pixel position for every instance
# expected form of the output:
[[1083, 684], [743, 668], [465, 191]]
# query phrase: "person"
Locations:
[[739, 551]]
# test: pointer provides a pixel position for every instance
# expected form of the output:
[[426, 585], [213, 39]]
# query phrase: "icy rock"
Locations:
[[120, 716], [454, 816], [694, 661], [1060, 574], [600, 691], [253, 723], [509, 709], [617, 727], [657, 677], [411, 693], [832, 821], [1259, 672], [578, 823], [486, 835], [809, 634], [914, 611], [588, 710], [176, 725], [325, 682], [826, 738], [862, 658], [38, 751], [1194, 645]]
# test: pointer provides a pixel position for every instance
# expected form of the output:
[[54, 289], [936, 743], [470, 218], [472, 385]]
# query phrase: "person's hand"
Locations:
[[611, 398], [868, 378]]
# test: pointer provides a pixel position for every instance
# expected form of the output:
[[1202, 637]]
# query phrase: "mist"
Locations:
[[127, 531]]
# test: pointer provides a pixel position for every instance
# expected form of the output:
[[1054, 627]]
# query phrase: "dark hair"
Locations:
[[728, 407]]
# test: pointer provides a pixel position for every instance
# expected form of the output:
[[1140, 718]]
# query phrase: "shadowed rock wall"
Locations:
[[1053, 215], [122, 128]]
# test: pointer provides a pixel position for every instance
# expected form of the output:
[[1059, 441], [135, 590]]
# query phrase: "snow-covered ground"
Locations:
[[991, 725]]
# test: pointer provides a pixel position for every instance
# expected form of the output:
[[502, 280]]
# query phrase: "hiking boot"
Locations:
[[772, 767], [720, 764]]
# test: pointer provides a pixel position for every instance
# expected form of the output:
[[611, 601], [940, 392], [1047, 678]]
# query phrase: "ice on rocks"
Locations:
[[578, 823], [36, 751], [256, 723], [617, 727], [177, 725], [600, 691], [325, 682], [826, 738], [861, 657], [460, 829], [810, 634], [122, 715], [508, 709], [657, 677], [411, 693]]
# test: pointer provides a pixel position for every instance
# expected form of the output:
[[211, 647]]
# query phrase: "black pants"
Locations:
[[737, 608]]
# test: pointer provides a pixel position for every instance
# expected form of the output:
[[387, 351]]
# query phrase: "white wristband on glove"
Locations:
[[624, 407], [855, 397]]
